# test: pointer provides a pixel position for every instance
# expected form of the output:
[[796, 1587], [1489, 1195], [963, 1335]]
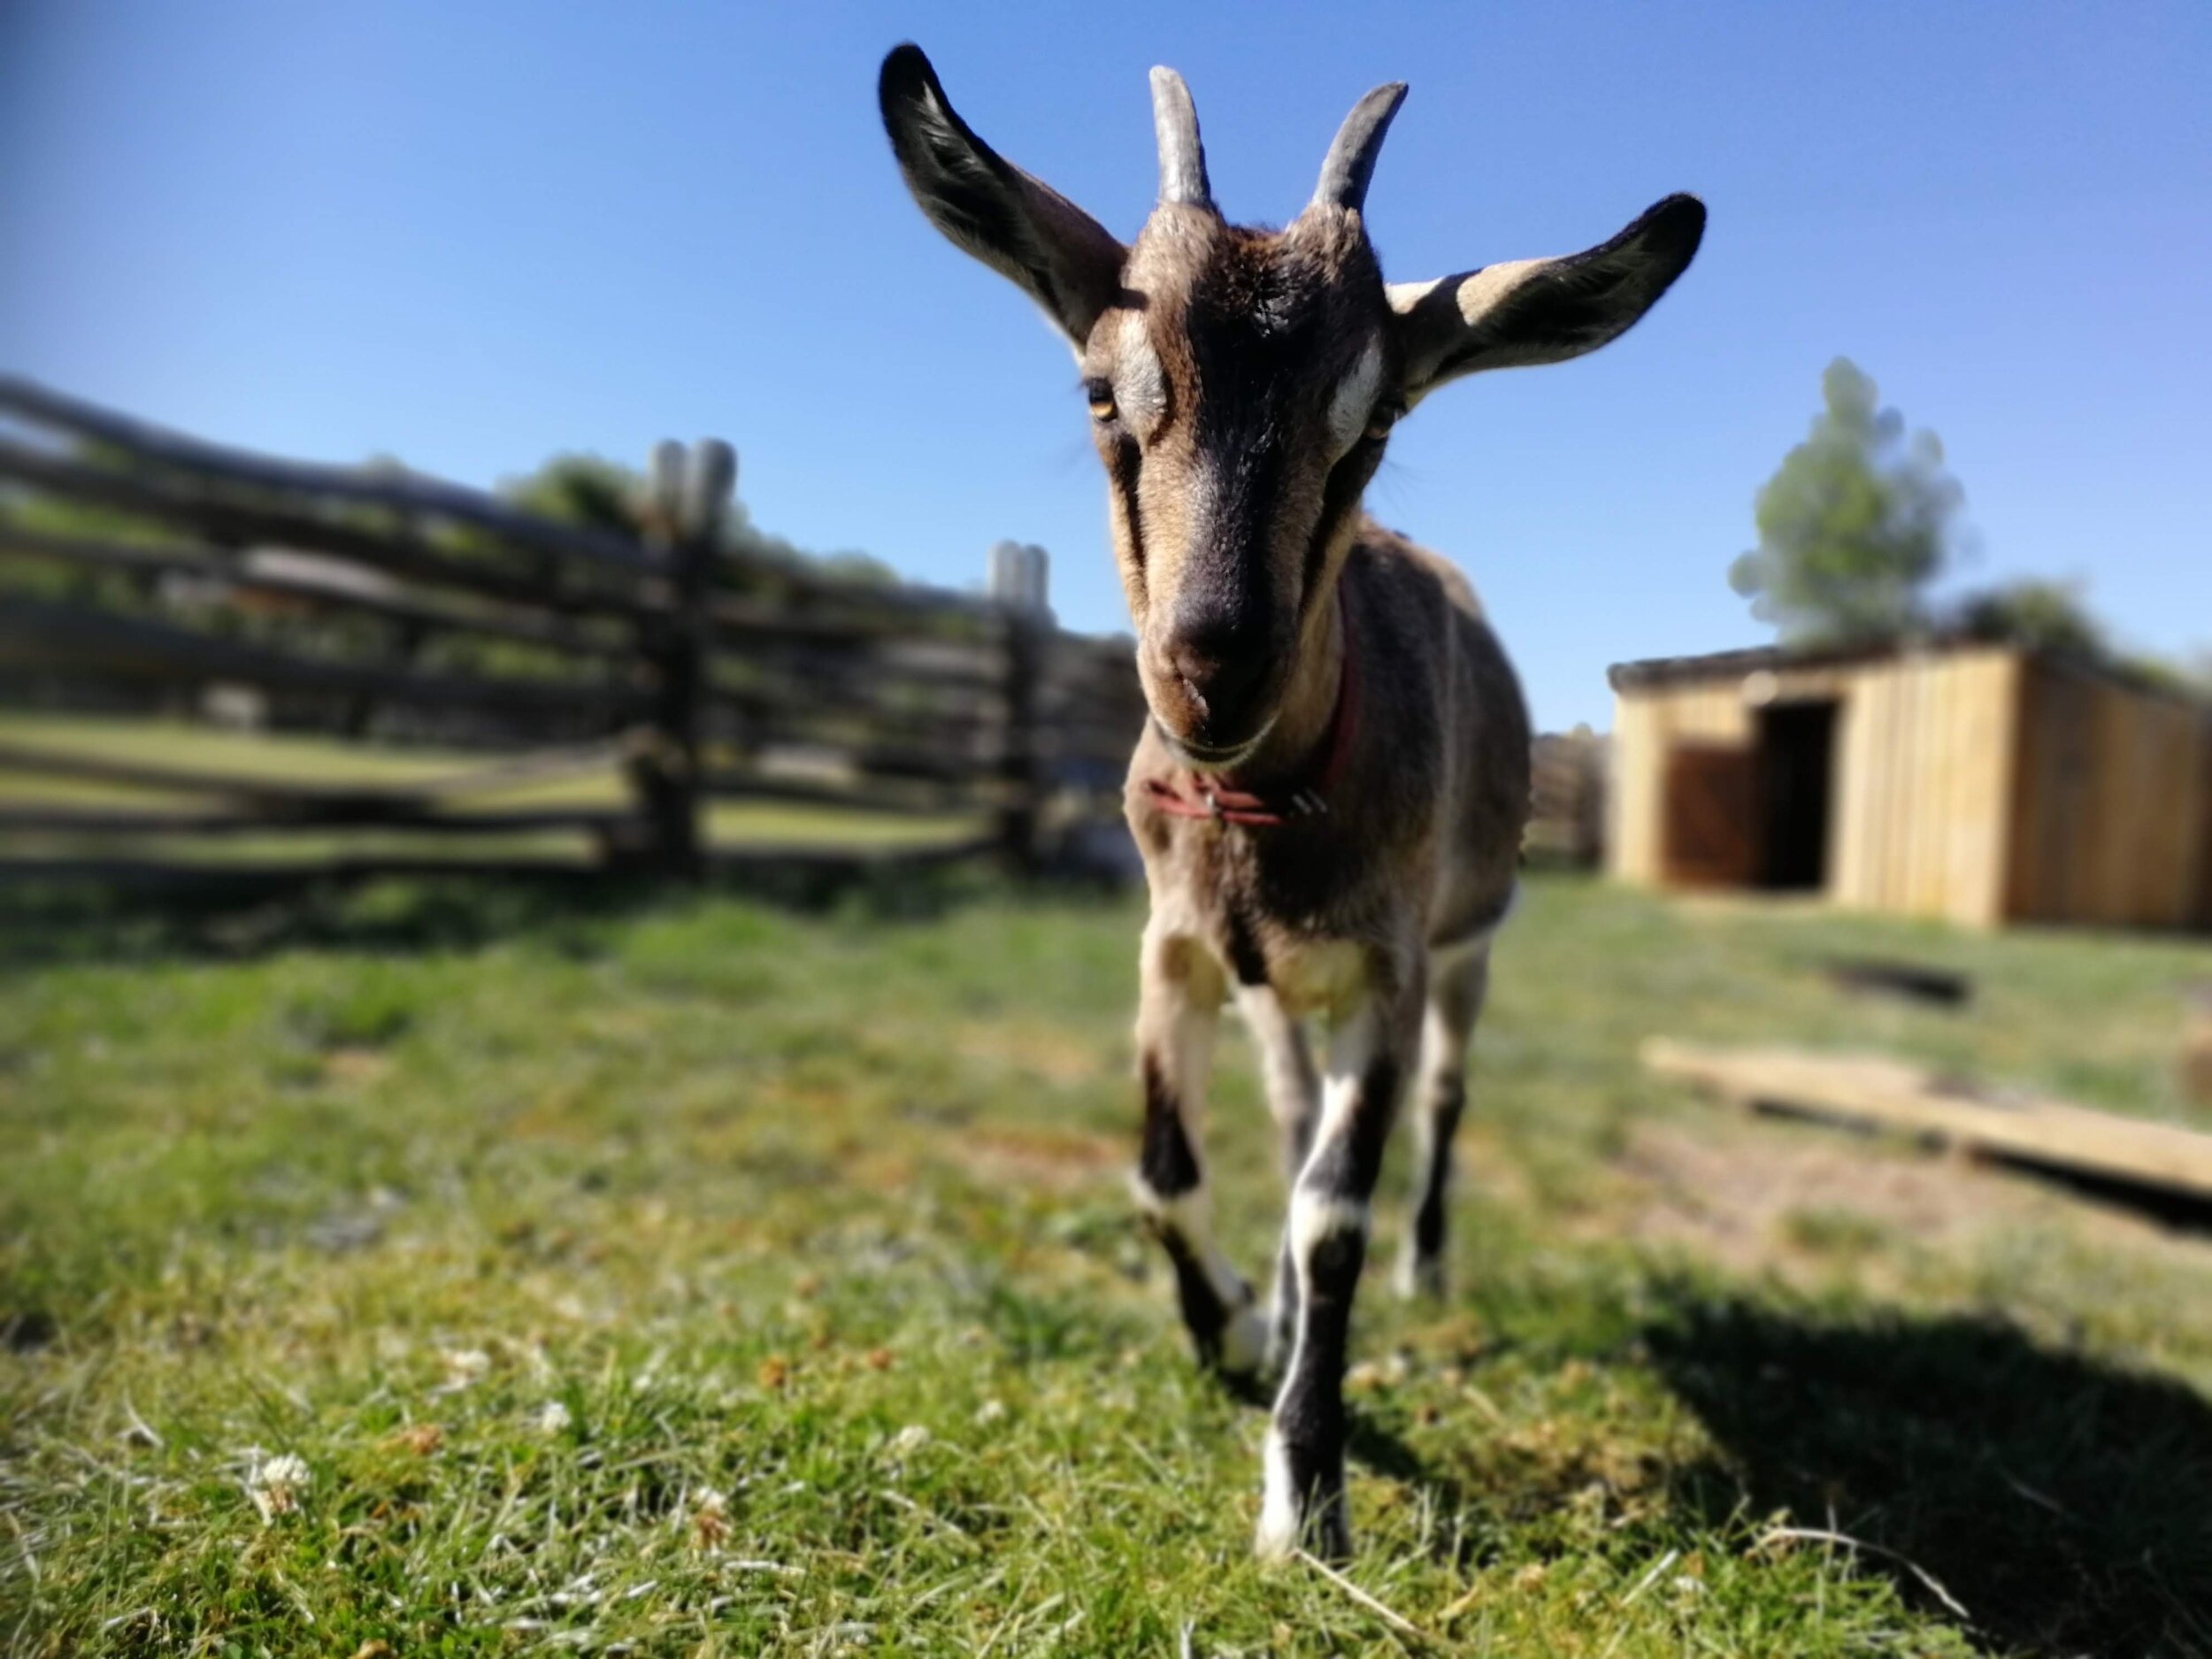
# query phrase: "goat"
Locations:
[[1330, 792]]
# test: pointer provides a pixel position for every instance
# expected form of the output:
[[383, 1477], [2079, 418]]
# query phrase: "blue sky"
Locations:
[[473, 234]]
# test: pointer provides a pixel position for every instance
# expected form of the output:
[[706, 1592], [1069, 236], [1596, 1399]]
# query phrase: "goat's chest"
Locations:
[[1290, 923], [1322, 976]]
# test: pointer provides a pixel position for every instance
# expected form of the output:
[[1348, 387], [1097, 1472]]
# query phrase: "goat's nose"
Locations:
[[1221, 662]]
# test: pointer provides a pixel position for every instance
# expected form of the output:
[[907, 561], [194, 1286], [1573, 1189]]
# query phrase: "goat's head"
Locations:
[[1243, 383]]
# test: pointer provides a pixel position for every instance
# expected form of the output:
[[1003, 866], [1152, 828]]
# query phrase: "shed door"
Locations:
[[1712, 792], [1797, 746]]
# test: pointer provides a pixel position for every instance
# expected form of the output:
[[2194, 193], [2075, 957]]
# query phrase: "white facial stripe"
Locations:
[[1355, 398], [1139, 383]]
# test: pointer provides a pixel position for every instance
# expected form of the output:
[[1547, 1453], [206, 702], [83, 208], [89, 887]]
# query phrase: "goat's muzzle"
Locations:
[[1218, 683]]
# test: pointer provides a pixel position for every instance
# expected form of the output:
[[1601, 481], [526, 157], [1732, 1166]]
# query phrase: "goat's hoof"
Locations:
[[1333, 1534], [1314, 1518], [1242, 1356], [1282, 1532], [1418, 1278]]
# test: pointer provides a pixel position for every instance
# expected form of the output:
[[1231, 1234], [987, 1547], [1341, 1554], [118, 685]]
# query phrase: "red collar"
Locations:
[[1215, 795]]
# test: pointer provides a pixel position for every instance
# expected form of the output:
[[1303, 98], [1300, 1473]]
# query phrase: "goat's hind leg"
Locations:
[[1294, 1096], [1459, 980], [1178, 1014]]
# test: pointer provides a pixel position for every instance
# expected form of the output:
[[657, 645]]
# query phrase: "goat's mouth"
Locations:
[[1213, 716], [1212, 756]]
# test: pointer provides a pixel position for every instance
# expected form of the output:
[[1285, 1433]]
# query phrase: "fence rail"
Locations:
[[144, 570]]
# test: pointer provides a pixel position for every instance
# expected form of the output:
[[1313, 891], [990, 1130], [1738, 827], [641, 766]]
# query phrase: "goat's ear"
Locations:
[[1543, 310], [1022, 228]]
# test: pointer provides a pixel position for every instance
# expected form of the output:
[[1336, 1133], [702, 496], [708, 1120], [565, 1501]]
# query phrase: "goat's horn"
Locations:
[[1351, 158], [1182, 158]]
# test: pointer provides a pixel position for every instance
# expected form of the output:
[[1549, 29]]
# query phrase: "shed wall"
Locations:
[[1644, 725], [2114, 807], [1925, 786]]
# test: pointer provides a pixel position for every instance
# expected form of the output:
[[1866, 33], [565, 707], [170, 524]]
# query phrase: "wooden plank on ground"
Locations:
[[1882, 1092]]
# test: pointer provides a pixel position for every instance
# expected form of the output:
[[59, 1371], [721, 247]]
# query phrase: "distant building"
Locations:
[[1981, 783]]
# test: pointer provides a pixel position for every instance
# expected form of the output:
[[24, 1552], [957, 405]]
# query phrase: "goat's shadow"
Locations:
[[2065, 1502]]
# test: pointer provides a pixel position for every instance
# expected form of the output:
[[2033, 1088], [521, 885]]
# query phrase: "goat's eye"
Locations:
[[1101, 393], [1380, 422]]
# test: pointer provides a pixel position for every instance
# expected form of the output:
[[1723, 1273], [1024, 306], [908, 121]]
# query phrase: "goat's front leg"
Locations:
[[1371, 1051], [1178, 1010], [1293, 1095]]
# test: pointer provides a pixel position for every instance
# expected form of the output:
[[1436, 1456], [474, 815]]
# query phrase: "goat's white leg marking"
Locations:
[[1293, 1095], [1220, 1309], [1179, 1011], [1458, 982], [1370, 1053], [1281, 1520]]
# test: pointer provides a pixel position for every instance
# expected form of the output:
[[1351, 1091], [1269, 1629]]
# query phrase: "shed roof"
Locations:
[[1654, 672], [1664, 671]]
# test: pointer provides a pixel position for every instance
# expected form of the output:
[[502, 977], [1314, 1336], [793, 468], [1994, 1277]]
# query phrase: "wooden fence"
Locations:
[[1567, 787], [144, 573]]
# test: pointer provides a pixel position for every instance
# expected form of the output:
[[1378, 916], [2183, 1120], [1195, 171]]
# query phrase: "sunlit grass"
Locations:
[[681, 1274]]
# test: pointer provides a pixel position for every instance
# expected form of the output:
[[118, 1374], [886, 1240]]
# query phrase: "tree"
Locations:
[[1853, 526], [582, 489], [602, 495], [2041, 614]]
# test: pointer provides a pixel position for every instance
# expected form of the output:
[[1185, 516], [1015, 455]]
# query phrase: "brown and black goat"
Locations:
[[1329, 793]]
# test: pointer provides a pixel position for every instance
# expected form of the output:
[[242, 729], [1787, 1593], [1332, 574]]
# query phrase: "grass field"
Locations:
[[432, 1270]]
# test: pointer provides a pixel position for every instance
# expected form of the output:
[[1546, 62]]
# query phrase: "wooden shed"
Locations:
[[1957, 778]]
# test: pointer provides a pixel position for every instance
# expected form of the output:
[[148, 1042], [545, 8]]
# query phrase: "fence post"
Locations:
[[689, 496], [1017, 586]]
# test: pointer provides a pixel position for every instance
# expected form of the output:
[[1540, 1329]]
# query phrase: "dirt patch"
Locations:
[[1052, 1160], [1043, 1050], [352, 1063], [1758, 1197]]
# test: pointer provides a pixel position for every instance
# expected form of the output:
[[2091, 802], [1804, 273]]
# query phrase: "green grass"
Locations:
[[684, 1275]]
